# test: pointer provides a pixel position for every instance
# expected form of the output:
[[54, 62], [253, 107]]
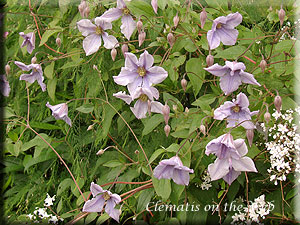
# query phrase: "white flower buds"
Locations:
[[277, 102], [124, 49], [171, 39], [209, 60], [113, 53], [250, 135], [33, 60], [167, 130], [267, 117], [100, 152], [58, 41], [183, 83], [176, 20], [139, 26], [141, 38], [202, 129], [166, 112], [203, 17], [281, 15], [7, 69], [263, 65]]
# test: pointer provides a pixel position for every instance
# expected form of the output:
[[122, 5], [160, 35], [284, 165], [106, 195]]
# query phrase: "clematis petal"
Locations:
[[154, 5], [135, 85], [28, 77], [94, 205], [140, 109], [111, 211], [131, 61], [217, 70], [156, 107], [95, 189], [223, 111], [126, 76], [86, 27], [67, 120], [231, 176], [91, 44], [229, 83], [181, 177], [235, 65], [244, 164], [242, 100], [116, 198], [233, 20], [121, 4], [4, 86], [213, 39], [104, 24], [227, 36], [156, 74], [121, 94], [163, 171], [146, 60], [248, 78], [112, 14], [128, 26], [22, 66], [109, 41], [218, 169], [40, 82], [241, 146]]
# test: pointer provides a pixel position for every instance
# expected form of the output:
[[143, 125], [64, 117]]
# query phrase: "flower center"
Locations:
[[236, 108], [219, 25], [106, 196], [99, 30], [143, 97], [34, 70], [126, 11], [141, 71]]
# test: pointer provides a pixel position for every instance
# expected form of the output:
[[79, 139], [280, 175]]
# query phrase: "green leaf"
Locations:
[[49, 33], [86, 108], [45, 126], [196, 74], [90, 218], [140, 8], [102, 218], [231, 52], [156, 154], [64, 5], [162, 187], [152, 123], [51, 87], [144, 199], [74, 189], [64, 185], [49, 70], [113, 163], [204, 101]]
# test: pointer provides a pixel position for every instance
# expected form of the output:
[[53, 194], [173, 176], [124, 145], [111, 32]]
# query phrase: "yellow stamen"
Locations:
[[219, 25], [106, 196], [141, 71], [126, 11], [99, 30], [143, 97], [236, 108]]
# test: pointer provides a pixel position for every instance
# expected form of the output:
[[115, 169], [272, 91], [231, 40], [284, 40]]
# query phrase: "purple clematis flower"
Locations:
[[140, 73], [232, 75], [231, 159], [236, 112], [100, 197], [35, 75], [223, 30], [4, 86], [128, 24], [93, 34], [60, 112], [173, 168], [29, 40]]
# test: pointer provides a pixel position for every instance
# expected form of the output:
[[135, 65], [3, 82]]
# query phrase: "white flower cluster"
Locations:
[[40, 214], [255, 211], [288, 24], [284, 148], [205, 185]]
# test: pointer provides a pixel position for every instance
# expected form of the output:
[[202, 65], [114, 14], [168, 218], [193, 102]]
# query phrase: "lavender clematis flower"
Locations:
[[35, 75], [29, 40], [140, 73], [4, 86], [232, 75], [223, 30], [231, 159], [100, 197], [94, 33], [128, 24], [236, 112], [60, 112], [173, 168]]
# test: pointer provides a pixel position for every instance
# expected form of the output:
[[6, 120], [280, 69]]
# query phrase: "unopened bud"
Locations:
[[95, 67], [124, 49], [142, 37], [82, 7], [137, 152], [154, 5], [33, 60], [176, 20], [267, 117], [167, 130], [58, 41], [203, 17], [113, 54], [86, 12], [263, 65], [186, 110], [174, 107], [166, 113], [277, 102], [209, 60], [7, 69], [183, 83], [100, 152], [203, 129], [171, 39], [139, 26], [281, 15], [250, 135], [90, 127]]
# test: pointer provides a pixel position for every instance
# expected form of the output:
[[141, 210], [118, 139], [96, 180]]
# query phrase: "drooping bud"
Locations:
[[203, 17], [171, 39], [95, 67], [82, 7], [141, 38], [136, 152], [124, 49], [33, 60], [176, 20], [166, 113], [167, 130], [203, 129], [100, 152], [90, 127], [154, 5], [186, 110], [209, 60], [58, 41], [86, 12], [113, 53], [263, 65], [267, 117], [281, 15], [175, 108], [277, 102], [139, 26], [250, 135], [7, 69], [183, 83]]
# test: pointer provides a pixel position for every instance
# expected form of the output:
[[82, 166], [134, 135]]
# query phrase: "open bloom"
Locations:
[[100, 197], [128, 24], [231, 159], [4, 86], [60, 112], [140, 73], [29, 40], [93, 34], [232, 75], [173, 168], [35, 75], [236, 112], [223, 30]]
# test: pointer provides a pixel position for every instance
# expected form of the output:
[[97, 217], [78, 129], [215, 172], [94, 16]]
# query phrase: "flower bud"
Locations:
[[58, 41], [141, 38], [267, 117], [263, 65], [33, 60], [113, 54], [154, 5], [278, 103], [175, 108], [250, 135], [100, 152], [176, 20], [90, 127], [124, 49], [186, 110], [167, 130], [209, 60], [82, 7], [86, 12], [203, 129], [281, 15], [171, 39], [166, 113], [7, 69], [139, 26], [183, 83], [136, 152], [203, 17], [95, 67]]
